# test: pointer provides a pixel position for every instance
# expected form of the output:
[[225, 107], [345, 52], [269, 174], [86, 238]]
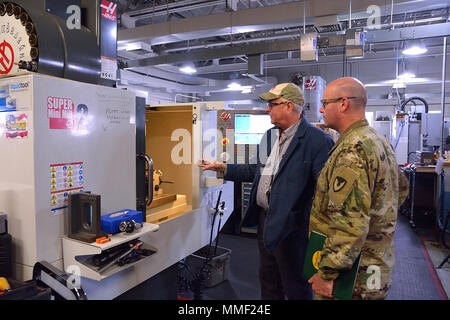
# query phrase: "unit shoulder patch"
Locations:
[[342, 182], [339, 183]]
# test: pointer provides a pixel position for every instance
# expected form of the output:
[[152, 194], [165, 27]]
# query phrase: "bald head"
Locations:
[[344, 102], [349, 87]]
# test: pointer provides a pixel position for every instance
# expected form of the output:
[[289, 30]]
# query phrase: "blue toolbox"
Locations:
[[110, 222]]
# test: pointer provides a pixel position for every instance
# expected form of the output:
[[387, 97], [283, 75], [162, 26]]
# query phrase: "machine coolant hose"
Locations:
[[402, 106]]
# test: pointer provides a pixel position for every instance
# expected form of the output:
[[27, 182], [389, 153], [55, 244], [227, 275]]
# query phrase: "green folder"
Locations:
[[343, 286]]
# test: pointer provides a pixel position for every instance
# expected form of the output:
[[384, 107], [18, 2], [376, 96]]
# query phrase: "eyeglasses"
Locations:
[[273, 104], [327, 101]]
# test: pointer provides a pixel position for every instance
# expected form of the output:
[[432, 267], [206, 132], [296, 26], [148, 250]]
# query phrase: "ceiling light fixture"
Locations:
[[234, 86], [188, 69], [415, 49], [406, 76], [133, 46]]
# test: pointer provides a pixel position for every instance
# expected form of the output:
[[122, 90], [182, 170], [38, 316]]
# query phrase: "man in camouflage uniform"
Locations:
[[357, 196]]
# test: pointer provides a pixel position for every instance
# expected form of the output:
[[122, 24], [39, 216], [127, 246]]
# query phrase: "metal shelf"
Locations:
[[79, 253]]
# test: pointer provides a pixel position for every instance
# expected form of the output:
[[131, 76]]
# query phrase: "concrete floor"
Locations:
[[414, 276]]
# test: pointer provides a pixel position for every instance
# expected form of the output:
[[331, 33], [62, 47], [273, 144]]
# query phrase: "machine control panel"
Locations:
[[240, 132]]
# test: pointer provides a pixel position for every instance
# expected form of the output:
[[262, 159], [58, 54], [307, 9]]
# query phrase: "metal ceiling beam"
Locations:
[[156, 72], [221, 24], [161, 7], [255, 19], [168, 85], [149, 13], [295, 62], [209, 54], [133, 78], [278, 35], [420, 32], [285, 35], [379, 36]]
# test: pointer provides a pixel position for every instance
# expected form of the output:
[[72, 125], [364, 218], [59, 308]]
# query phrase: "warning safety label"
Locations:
[[65, 179]]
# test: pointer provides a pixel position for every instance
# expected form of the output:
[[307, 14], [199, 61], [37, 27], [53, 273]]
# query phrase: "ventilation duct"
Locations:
[[325, 24]]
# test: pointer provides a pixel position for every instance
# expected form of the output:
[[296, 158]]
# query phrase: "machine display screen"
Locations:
[[249, 128]]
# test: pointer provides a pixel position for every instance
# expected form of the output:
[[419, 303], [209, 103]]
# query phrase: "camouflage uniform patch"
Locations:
[[342, 183], [355, 205]]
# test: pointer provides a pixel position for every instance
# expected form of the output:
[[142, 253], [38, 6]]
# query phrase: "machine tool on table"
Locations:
[[159, 196]]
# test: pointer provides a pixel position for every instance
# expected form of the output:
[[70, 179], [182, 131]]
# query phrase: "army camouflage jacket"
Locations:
[[355, 205]]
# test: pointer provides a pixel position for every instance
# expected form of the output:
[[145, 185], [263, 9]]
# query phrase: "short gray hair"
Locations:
[[298, 108]]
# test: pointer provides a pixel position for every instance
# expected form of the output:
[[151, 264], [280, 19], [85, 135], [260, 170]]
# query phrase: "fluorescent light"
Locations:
[[244, 29], [133, 46], [399, 85], [188, 69], [406, 76], [234, 86], [415, 50]]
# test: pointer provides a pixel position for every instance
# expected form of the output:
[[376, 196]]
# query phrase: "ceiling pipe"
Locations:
[[279, 34], [392, 13], [163, 7], [444, 68], [304, 16], [293, 62], [283, 35], [219, 44], [171, 8], [378, 36], [187, 96], [133, 78], [263, 18], [350, 15]]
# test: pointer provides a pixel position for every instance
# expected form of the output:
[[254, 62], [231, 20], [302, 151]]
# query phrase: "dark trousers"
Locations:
[[280, 271]]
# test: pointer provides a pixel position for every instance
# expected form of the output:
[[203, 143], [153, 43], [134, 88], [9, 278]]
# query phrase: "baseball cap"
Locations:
[[287, 91]]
